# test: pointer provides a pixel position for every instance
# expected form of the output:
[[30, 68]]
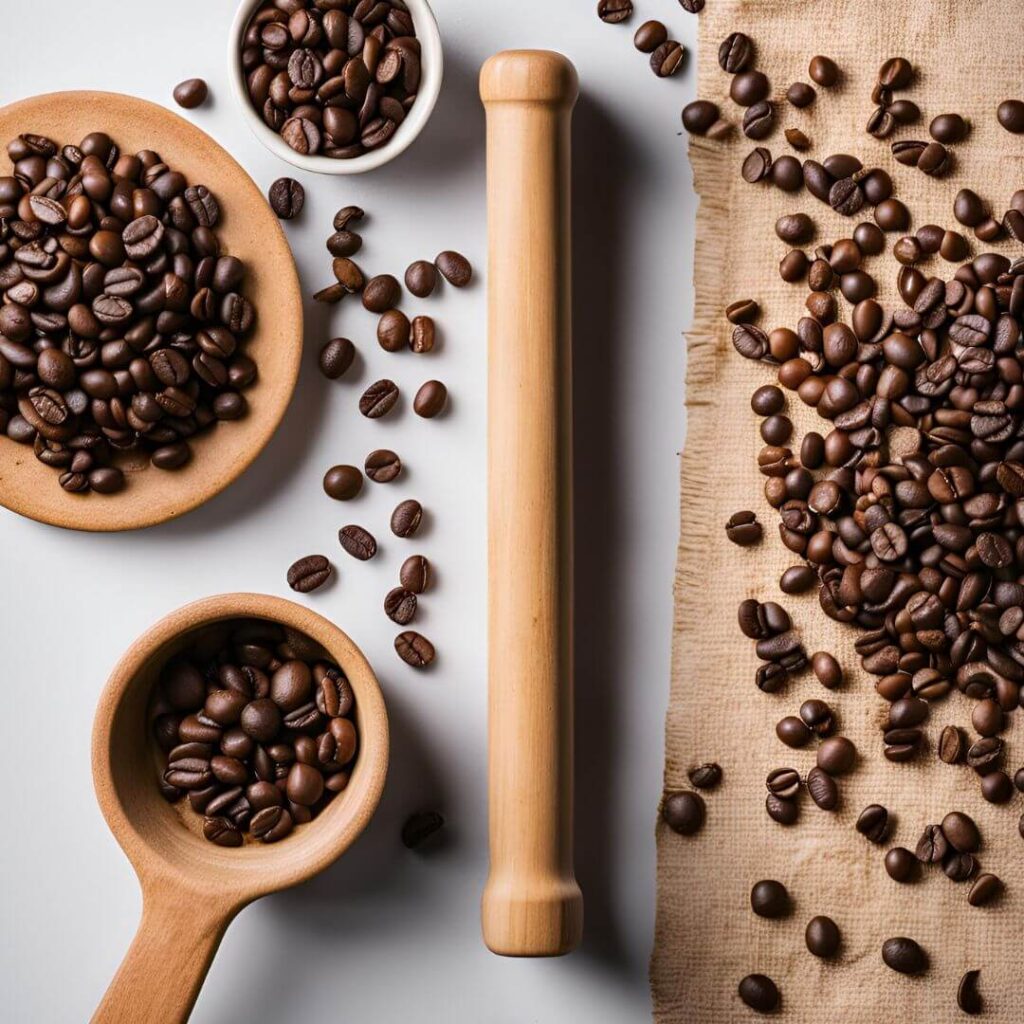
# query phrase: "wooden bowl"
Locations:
[[191, 888], [247, 229]]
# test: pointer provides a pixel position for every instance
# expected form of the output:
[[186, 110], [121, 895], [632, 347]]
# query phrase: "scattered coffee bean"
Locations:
[[1010, 114], [896, 73], [836, 755], [824, 71], [961, 832], [379, 399], [948, 128], [309, 573], [400, 606], [767, 400], [668, 58], [985, 889], [381, 293], [873, 823], [743, 529], [783, 783], [692, 6], [699, 116], [421, 278], [431, 399], [798, 140], [415, 574], [759, 120], [421, 827], [406, 518], [414, 649], [785, 812], [901, 864], [343, 483], [798, 579], [904, 955], [822, 937], [382, 466], [748, 88], [1018, 779], [684, 812], [757, 165], [801, 95], [787, 173], [968, 998], [795, 228], [334, 83], [705, 776], [287, 197], [649, 36], [735, 53], [359, 543], [191, 93], [454, 268], [823, 789], [336, 357], [997, 788], [769, 898], [759, 992], [614, 11]]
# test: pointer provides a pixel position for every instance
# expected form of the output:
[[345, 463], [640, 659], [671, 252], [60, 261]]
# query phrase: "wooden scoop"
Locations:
[[532, 905], [192, 889]]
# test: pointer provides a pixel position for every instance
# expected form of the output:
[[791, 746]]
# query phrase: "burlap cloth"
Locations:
[[969, 56]]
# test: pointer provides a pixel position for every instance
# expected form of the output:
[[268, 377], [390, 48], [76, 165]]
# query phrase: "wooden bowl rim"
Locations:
[[44, 500], [227, 877]]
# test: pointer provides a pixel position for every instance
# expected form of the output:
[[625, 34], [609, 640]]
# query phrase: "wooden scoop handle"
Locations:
[[532, 905], [165, 966]]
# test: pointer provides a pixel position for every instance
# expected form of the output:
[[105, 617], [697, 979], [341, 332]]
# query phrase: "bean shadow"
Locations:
[[602, 164]]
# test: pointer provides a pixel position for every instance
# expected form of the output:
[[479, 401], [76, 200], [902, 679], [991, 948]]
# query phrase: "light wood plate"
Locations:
[[247, 229]]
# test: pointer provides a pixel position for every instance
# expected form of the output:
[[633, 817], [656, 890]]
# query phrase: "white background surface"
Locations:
[[384, 935]]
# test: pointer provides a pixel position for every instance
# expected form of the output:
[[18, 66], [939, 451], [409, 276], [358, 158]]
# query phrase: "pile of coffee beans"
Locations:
[[123, 324], [254, 724], [333, 79]]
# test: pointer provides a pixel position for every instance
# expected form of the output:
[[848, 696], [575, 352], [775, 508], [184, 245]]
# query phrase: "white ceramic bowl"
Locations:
[[430, 85]]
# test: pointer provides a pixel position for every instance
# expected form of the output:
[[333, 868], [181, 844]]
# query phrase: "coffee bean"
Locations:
[[769, 898], [287, 198], [795, 228], [381, 293], [901, 864], [799, 141], [783, 783], [997, 788], [873, 823], [405, 520], [776, 430], [785, 812], [934, 159], [350, 278], [968, 999], [699, 116], [959, 867], [379, 399], [801, 95], [415, 574], [705, 776], [336, 357], [961, 832], [414, 649], [614, 11], [393, 330], [421, 278], [1018, 779], [759, 120], [343, 244], [823, 71], [400, 606], [846, 197], [985, 890], [191, 93], [948, 128], [735, 53], [750, 341], [822, 937], [757, 165], [985, 755], [759, 992], [743, 529], [767, 400], [1010, 114], [454, 268], [419, 828], [649, 36], [748, 88], [798, 579], [836, 755], [823, 789], [904, 955], [359, 543], [343, 483], [309, 573], [793, 266], [827, 669], [382, 466], [684, 812], [668, 58]]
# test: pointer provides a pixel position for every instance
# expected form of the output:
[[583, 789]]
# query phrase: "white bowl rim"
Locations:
[[430, 86]]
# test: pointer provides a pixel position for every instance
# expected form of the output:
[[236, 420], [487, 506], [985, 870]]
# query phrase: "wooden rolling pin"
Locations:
[[532, 905]]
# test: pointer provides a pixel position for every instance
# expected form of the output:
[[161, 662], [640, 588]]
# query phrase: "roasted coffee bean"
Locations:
[[836, 755], [760, 993], [343, 483], [823, 71], [343, 244], [799, 141], [649, 36], [997, 788], [798, 579], [873, 823], [759, 120], [379, 399], [406, 518], [419, 828], [393, 330], [827, 669], [934, 159], [743, 529], [846, 197], [757, 165], [1018, 779], [415, 574], [793, 266], [684, 812], [769, 898], [421, 278], [801, 95], [431, 399], [705, 776], [414, 649], [699, 116], [968, 999], [400, 606], [783, 783], [901, 865], [667, 58], [1010, 114], [287, 197], [822, 937], [985, 755], [191, 93], [359, 543], [614, 11], [748, 88], [904, 955], [795, 228], [787, 173], [421, 334], [961, 832], [381, 293], [823, 789], [985, 889], [735, 53], [785, 812], [382, 466], [309, 573], [767, 400]]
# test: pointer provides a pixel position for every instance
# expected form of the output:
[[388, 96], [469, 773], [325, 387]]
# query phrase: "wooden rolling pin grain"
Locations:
[[532, 905]]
